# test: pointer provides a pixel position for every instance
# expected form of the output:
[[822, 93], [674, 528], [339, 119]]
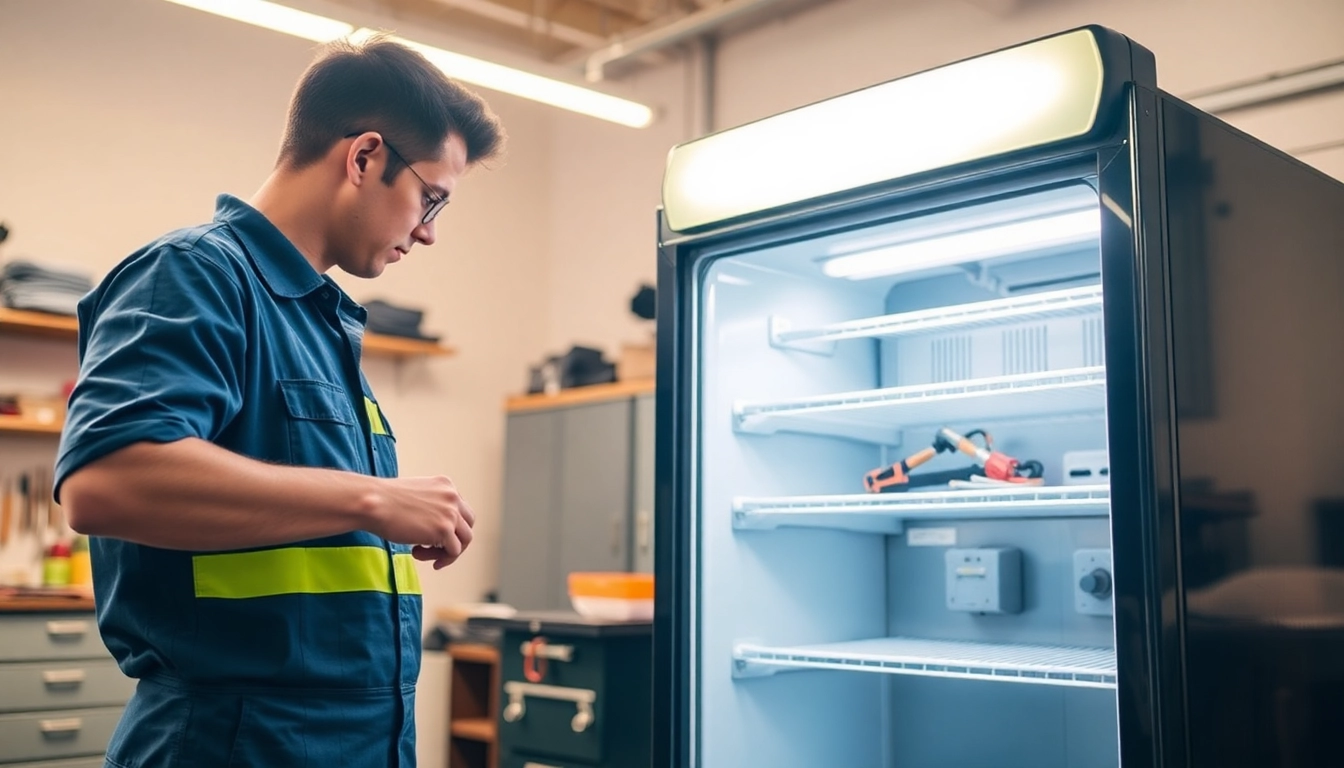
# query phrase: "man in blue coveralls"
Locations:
[[252, 544]]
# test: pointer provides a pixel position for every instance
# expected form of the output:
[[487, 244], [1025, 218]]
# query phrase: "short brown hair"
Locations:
[[380, 85]]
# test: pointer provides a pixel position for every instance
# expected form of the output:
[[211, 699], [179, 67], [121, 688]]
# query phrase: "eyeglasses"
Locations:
[[434, 201]]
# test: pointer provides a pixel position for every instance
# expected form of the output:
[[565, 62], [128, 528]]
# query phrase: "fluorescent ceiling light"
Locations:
[[529, 86], [465, 68], [972, 245], [274, 16]]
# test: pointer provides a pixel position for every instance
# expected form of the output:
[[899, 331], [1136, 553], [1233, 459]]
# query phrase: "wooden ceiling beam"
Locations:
[[601, 17]]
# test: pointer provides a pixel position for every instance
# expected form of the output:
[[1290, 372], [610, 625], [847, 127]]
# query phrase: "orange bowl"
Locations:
[[625, 586], [612, 596]]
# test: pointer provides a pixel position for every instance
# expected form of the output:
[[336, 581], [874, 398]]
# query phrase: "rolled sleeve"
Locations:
[[162, 350]]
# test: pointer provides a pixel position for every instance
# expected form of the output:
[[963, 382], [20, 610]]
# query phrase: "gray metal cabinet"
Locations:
[[575, 482], [530, 509], [61, 693], [594, 510], [642, 541]]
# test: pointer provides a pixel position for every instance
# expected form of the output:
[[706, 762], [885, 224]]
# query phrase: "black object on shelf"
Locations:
[[579, 367], [393, 320], [645, 302]]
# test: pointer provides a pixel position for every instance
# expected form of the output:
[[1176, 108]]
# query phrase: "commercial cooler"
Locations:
[[999, 424]]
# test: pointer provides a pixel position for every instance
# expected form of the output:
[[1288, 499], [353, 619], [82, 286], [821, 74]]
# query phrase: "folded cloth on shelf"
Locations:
[[44, 287], [393, 320]]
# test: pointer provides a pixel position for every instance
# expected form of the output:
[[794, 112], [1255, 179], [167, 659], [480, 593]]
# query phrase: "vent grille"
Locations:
[[1025, 350], [951, 358], [1094, 342]]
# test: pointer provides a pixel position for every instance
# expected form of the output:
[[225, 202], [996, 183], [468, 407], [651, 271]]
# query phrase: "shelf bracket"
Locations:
[[745, 668], [747, 519], [779, 330]]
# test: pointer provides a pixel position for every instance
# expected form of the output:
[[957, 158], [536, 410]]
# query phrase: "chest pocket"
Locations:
[[384, 441], [321, 425]]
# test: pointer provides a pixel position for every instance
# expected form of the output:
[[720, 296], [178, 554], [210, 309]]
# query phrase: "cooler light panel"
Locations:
[[1026, 96]]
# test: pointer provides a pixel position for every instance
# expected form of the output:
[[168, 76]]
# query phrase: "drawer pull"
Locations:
[[55, 677], [67, 725], [544, 650], [583, 699], [68, 628]]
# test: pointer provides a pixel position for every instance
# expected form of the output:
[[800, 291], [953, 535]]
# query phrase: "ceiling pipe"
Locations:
[[1270, 89], [698, 23]]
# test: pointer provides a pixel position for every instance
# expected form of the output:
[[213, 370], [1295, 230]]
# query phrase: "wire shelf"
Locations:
[[888, 512], [1000, 662], [1073, 301], [879, 415]]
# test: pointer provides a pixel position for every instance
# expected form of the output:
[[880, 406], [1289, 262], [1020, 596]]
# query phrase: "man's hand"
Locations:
[[426, 512]]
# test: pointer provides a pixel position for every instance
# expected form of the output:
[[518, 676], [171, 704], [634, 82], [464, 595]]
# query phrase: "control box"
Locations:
[[984, 580]]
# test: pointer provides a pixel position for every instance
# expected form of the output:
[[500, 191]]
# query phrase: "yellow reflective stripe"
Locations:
[[301, 571], [408, 579], [375, 417]]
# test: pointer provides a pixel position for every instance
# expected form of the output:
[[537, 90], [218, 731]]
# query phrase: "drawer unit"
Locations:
[[61, 693], [34, 686], [575, 693], [557, 712], [68, 733], [40, 636], [78, 762]]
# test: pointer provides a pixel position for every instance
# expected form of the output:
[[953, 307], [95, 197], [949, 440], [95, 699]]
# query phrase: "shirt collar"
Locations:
[[284, 270]]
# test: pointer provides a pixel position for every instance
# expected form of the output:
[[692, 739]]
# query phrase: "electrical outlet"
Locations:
[[984, 580], [1093, 584]]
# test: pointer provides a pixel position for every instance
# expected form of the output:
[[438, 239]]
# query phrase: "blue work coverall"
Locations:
[[297, 656]]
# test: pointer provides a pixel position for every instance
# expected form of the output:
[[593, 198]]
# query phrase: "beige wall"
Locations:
[[122, 120]]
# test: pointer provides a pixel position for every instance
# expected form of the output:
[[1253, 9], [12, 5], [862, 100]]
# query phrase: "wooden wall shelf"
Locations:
[[597, 393], [22, 425], [19, 322], [379, 345]]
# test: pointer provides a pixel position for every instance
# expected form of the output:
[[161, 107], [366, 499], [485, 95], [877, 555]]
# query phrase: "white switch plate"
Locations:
[[1084, 562]]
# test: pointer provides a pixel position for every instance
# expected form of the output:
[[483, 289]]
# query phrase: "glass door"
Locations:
[[900, 546]]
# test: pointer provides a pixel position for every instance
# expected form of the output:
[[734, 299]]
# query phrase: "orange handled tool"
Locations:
[[897, 476], [997, 466]]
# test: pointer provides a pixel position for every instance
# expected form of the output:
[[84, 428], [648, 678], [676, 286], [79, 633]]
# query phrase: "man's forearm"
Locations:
[[193, 495]]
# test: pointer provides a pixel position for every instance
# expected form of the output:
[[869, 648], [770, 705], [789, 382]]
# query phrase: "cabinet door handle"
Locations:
[[547, 651], [60, 727], [643, 530], [617, 533], [55, 677], [68, 628]]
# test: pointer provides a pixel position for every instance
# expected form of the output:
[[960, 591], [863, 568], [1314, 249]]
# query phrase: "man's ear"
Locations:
[[357, 157]]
